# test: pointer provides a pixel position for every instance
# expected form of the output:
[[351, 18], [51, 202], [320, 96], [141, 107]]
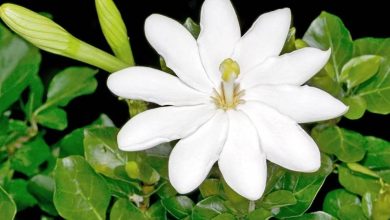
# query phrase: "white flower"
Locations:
[[234, 101]]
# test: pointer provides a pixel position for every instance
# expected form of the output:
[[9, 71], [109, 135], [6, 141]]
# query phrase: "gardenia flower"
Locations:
[[235, 100]]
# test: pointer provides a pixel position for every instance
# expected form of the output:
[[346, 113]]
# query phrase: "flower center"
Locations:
[[229, 94]]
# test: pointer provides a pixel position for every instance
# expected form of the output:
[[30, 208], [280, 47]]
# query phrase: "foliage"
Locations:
[[84, 175]]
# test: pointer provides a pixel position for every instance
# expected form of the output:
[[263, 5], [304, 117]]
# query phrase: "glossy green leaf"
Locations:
[[72, 143], [289, 45], [166, 190], [376, 90], [328, 31], [356, 167], [54, 118], [35, 96], [17, 189], [351, 212], [368, 200], [7, 205], [357, 106], [274, 174], [209, 208], [225, 216], [192, 27], [381, 206], [139, 169], [121, 188], [304, 186], [30, 156], [156, 212], [240, 203], [123, 209], [338, 199], [179, 206], [69, 84], [347, 145], [19, 62], [42, 188], [278, 199], [260, 213], [360, 69], [157, 158], [314, 216], [378, 153], [357, 183], [80, 193]]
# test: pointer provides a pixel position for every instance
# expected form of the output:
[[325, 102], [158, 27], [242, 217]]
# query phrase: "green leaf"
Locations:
[[368, 203], [192, 27], [30, 156], [166, 190], [278, 199], [156, 212], [357, 183], [54, 118], [72, 143], [79, 193], [376, 91], [352, 212], [121, 188], [357, 106], [123, 209], [328, 31], [7, 205], [17, 188], [209, 208], [378, 153], [304, 186], [338, 199], [69, 84], [314, 216], [289, 45], [101, 150], [359, 69], [179, 206], [356, 167], [347, 145], [19, 62], [381, 209], [260, 213], [35, 96], [157, 158], [224, 216], [211, 187], [42, 188]]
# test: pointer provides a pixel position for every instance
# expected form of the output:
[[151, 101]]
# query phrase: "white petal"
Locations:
[[153, 86], [301, 103], [219, 32], [192, 157], [160, 125], [282, 139], [264, 39], [294, 68], [242, 163], [179, 49]]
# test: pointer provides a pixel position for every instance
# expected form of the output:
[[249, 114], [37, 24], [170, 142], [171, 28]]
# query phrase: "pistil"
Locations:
[[229, 72]]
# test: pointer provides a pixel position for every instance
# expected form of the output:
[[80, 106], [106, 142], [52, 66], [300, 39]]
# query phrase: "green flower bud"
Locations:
[[49, 36], [114, 30]]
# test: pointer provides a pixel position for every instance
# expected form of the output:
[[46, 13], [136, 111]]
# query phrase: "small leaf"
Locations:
[[359, 184], [381, 209], [360, 69], [260, 213], [19, 63], [368, 203], [69, 84], [35, 96], [79, 193], [192, 27], [54, 118], [357, 106], [347, 145], [156, 212], [17, 188], [336, 200], [278, 199], [7, 205], [211, 187], [328, 31], [209, 208], [30, 156], [42, 188], [166, 190], [72, 143], [362, 169], [179, 206], [352, 212], [123, 209], [289, 45], [378, 153]]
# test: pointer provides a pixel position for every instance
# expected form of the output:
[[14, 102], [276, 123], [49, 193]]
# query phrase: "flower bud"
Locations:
[[49, 36], [114, 30]]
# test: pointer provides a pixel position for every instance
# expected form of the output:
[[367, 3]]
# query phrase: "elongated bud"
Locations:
[[49, 36], [114, 30]]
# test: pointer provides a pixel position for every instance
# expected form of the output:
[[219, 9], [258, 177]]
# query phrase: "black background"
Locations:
[[362, 18]]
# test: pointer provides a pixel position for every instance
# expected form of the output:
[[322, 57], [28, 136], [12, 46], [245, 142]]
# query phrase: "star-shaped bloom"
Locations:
[[234, 100]]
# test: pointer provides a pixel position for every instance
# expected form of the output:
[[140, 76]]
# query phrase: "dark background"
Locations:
[[363, 19]]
